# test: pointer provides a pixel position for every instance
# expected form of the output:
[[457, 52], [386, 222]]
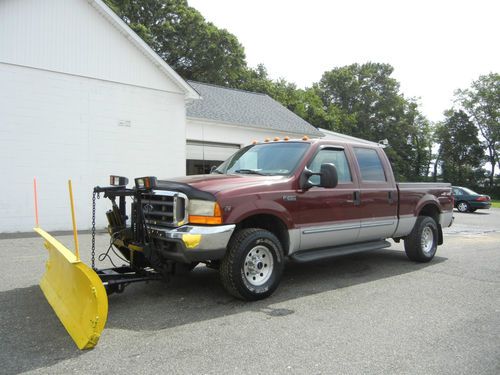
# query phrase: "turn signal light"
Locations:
[[213, 219], [483, 199]]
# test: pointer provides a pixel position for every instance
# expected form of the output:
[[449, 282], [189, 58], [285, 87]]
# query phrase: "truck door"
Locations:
[[378, 194], [328, 217]]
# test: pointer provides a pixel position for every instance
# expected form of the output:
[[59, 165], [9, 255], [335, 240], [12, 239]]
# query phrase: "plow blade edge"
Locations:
[[75, 293]]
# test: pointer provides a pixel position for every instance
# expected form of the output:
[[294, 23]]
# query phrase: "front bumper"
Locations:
[[190, 243]]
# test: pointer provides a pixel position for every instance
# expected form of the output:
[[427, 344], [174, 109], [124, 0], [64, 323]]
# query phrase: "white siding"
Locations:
[[71, 36], [58, 126], [208, 131]]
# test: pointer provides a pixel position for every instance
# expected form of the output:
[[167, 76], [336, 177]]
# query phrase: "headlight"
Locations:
[[204, 212]]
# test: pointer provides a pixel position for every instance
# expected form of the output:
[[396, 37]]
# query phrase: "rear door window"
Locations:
[[370, 165]]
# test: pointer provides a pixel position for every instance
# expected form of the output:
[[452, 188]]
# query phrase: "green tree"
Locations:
[[460, 152], [369, 105], [482, 103], [193, 47]]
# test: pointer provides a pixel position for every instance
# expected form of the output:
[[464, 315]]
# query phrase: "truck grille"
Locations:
[[164, 209]]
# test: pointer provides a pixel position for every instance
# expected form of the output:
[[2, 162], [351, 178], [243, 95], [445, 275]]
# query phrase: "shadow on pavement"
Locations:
[[200, 295], [32, 336], [478, 212]]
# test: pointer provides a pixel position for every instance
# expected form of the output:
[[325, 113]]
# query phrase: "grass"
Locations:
[[495, 204]]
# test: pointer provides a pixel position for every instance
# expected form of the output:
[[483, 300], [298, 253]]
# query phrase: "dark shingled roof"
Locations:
[[246, 108]]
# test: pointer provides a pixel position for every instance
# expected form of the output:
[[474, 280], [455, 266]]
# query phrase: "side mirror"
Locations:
[[328, 177]]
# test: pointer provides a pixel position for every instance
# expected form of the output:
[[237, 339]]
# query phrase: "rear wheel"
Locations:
[[463, 206], [253, 265], [421, 243]]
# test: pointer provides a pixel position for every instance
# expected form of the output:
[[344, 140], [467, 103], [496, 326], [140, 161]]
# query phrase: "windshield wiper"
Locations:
[[249, 171]]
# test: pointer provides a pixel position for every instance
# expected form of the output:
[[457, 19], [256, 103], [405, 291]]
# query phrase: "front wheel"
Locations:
[[253, 265], [421, 243]]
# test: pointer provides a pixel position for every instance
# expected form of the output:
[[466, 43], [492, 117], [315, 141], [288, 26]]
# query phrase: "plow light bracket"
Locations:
[[149, 182], [118, 181]]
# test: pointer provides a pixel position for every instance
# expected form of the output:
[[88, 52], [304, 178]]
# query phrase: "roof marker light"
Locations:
[[276, 139], [305, 138], [266, 140]]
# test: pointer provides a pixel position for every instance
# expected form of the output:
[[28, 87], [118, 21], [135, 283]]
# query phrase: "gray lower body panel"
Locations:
[[312, 255]]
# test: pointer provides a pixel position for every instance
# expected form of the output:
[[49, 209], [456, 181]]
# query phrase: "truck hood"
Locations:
[[215, 183]]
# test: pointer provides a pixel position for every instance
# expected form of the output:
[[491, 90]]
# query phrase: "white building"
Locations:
[[226, 119], [81, 96], [334, 136]]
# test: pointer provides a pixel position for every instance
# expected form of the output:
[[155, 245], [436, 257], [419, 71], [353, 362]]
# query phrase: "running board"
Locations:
[[312, 255]]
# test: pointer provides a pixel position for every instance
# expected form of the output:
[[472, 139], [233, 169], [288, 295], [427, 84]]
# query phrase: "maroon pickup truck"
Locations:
[[303, 200]]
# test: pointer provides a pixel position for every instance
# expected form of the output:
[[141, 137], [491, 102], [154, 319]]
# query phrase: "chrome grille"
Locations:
[[164, 208]]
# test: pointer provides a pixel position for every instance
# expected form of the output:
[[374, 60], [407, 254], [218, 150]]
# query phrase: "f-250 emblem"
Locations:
[[289, 198]]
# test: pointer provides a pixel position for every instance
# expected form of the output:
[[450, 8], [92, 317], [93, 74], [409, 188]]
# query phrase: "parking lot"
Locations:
[[375, 312]]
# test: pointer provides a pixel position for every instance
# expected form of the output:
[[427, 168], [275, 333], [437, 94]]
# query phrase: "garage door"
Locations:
[[202, 156]]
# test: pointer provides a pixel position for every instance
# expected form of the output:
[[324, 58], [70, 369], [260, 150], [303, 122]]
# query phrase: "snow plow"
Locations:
[[77, 293]]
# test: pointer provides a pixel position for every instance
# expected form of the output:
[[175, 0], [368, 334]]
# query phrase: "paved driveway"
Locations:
[[369, 313]]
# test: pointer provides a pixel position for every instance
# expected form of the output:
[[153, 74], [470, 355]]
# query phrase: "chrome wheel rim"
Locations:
[[427, 240], [462, 207], [258, 266]]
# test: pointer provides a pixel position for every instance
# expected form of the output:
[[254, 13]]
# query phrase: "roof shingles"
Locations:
[[246, 108]]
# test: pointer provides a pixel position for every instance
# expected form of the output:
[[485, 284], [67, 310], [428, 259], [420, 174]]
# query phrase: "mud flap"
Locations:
[[75, 292]]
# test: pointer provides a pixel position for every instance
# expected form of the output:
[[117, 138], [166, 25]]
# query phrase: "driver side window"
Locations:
[[334, 156]]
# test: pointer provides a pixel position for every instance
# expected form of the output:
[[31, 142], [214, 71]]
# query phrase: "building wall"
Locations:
[[71, 36], [59, 126], [209, 131], [78, 100]]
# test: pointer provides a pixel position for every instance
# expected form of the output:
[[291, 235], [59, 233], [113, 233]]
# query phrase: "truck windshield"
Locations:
[[265, 159]]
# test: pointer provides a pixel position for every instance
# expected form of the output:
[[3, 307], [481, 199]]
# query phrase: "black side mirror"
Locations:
[[328, 177]]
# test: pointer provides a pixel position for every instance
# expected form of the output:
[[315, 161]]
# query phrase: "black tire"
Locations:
[[472, 209], [463, 206], [421, 243], [253, 265]]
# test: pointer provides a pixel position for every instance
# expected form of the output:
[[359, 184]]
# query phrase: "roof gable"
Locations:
[[137, 41], [83, 38], [246, 108]]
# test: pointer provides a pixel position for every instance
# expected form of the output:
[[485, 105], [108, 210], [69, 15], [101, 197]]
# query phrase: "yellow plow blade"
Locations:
[[75, 293]]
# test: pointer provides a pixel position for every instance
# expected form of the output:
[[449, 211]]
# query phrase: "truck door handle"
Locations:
[[390, 197], [356, 198]]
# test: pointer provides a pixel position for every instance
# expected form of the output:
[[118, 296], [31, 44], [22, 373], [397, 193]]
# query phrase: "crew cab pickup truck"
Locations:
[[302, 200]]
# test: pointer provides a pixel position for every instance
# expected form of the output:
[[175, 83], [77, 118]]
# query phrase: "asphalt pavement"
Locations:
[[371, 313]]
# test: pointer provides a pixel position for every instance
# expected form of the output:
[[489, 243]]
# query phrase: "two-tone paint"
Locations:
[[353, 212]]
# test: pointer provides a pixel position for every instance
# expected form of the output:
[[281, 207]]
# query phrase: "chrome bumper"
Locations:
[[195, 243]]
